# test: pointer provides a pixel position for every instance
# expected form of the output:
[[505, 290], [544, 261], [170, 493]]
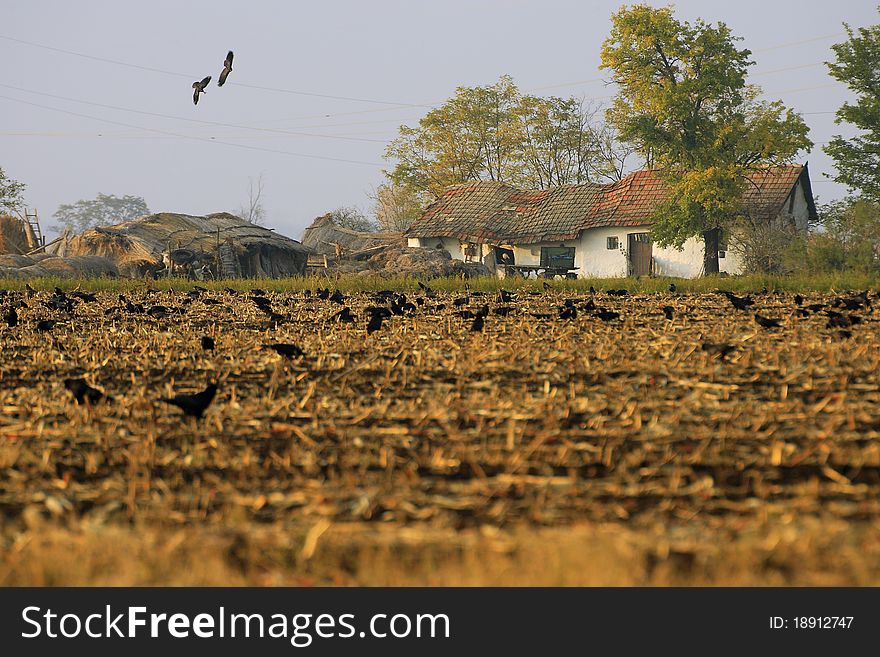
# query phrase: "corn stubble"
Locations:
[[549, 447]]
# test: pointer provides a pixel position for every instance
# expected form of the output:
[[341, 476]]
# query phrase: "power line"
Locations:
[[209, 140], [190, 77], [188, 119]]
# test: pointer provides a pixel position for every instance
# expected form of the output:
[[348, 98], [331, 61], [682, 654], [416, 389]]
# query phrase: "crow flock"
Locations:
[[45, 312]]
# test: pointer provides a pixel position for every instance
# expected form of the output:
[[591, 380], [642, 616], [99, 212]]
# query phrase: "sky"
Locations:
[[96, 96]]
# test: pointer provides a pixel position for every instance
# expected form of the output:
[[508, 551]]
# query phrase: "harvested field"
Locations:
[[538, 451]]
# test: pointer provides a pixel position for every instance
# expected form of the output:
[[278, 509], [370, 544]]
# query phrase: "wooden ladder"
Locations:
[[228, 262], [34, 234]]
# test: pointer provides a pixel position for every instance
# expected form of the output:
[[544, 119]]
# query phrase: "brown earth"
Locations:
[[539, 451]]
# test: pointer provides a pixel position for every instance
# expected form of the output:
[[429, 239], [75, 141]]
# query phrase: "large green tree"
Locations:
[[104, 210], [684, 103], [494, 132], [858, 66], [11, 194]]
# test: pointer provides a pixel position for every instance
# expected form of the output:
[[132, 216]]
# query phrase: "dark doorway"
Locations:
[[640, 259], [503, 256]]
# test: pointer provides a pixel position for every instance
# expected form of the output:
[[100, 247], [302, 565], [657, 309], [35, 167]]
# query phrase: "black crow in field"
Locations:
[[740, 303], [375, 323], [801, 312], [83, 392], [46, 324], [461, 301], [157, 312], [199, 87], [420, 301], [504, 296], [344, 316], [477, 325], [853, 304], [258, 292], [227, 69], [11, 317], [29, 290], [84, 296], [541, 315], [547, 286], [483, 311], [503, 311], [721, 348], [465, 314], [798, 300], [207, 343], [619, 293], [843, 333], [286, 349], [669, 311], [815, 307], [568, 312], [193, 405], [767, 322], [592, 290], [607, 315], [211, 302], [378, 310], [672, 287], [588, 306], [323, 294], [337, 297]]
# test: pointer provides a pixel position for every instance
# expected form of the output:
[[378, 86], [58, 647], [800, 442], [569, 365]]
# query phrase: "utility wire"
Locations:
[[182, 136]]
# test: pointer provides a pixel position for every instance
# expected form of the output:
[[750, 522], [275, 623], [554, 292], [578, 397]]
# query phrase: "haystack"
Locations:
[[322, 237], [228, 245], [12, 236]]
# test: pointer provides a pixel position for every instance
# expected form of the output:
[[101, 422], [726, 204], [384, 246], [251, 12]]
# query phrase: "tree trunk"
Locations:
[[711, 239]]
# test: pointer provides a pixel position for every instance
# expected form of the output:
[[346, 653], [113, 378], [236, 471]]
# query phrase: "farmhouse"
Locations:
[[592, 230]]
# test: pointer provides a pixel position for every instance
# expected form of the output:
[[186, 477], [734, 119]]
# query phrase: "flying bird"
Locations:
[[227, 69], [199, 87], [193, 405]]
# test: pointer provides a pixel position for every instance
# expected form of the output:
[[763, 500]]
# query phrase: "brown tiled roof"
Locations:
[[496, 212]]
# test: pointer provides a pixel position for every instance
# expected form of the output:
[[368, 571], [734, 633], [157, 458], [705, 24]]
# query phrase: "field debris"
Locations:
[[675, 431]]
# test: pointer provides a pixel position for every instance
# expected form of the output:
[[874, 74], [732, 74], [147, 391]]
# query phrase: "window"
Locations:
[[561, 257], [611, 243]]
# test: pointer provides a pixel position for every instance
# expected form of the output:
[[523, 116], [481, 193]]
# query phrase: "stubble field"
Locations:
[[539, 450]]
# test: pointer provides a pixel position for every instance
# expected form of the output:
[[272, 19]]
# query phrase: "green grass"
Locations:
[[839, 281]]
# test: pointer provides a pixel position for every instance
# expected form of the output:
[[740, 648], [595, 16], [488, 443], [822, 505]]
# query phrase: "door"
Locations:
[[639, 254]]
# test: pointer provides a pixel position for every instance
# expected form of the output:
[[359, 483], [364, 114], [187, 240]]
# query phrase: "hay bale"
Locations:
[[13, 238]]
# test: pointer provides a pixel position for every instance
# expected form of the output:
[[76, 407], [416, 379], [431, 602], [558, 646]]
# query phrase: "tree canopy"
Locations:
[[494, 132], [684, 103], [11, 194], [858, 66], [104, 210]]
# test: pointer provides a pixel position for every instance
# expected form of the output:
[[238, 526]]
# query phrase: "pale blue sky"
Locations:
[[402, 56]]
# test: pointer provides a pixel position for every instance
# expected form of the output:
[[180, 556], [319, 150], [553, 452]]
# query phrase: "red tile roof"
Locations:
[[496, 212]]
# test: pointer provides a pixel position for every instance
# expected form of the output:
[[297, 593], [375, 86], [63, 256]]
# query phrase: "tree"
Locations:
[[253, 210], [858, 66], [11, 194], [496, 133], [849, 239], [104, 210], [353, 219], [396, 207], [684, 103]]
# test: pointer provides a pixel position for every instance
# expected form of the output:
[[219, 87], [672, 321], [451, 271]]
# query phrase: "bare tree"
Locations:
[[396, 206], [353, 219], [253, 210]]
